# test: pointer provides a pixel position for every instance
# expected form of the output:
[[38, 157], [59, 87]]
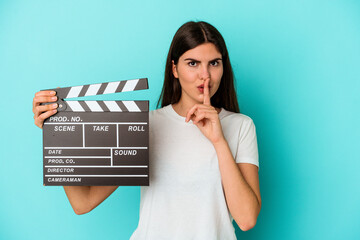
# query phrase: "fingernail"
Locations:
[[54, 111], [53, 98], [54, 105], [52, 93]]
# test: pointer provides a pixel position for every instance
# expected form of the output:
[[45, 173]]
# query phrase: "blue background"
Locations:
[[297, 70]]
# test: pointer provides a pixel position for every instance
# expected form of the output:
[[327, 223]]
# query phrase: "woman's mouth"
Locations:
[[201, 88]]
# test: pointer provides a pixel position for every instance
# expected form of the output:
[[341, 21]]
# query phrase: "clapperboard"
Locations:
[[97, 142]]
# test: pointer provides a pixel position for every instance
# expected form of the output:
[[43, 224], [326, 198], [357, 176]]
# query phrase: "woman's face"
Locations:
[[194, 67]]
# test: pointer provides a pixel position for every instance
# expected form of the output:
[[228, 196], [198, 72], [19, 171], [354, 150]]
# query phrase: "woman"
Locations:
[[203, 152]]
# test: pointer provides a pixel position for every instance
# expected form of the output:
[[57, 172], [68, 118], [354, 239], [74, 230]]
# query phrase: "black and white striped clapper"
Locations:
[[97, 143]]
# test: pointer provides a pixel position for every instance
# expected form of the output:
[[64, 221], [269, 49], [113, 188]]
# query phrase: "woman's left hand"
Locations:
[[206, 118]]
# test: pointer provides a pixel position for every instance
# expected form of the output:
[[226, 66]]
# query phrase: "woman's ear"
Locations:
[[174, 70]]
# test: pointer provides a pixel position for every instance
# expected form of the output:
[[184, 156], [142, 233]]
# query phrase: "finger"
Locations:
[[42, 99], [198, 107], [201, 114], [38, 100], [195, 122], [199, 124], [195, 108], [39, 121], [43, 108], [191, 112], [206, 93], [42, 94], [45, 93], [199, 117]]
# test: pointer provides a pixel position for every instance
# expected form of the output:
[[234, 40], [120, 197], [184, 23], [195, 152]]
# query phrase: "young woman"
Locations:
[[203, 152]]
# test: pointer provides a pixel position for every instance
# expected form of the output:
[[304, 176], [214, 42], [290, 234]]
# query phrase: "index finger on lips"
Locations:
[[206, 93]]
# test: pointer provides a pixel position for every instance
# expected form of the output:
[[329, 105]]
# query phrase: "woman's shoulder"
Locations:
[[159, 112], [233, 116], [233, 123]]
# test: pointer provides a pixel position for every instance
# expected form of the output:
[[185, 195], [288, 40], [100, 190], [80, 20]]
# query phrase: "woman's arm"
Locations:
[[241, 187], [240, 181], [83, 199]]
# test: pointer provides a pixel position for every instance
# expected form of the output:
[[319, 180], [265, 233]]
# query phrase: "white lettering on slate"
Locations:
[[101, 128], [58, 119], [56, 161], [56, 151], [125, 152], [60, 170], [60, 161], [70, 161], [136, 129], [64, 128], [65, 179], [75, 119]]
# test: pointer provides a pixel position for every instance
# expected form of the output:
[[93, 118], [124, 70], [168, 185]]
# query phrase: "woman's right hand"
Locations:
[[41, 112]]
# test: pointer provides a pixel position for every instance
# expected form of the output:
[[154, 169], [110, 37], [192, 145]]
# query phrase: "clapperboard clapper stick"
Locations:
[[97, 143]]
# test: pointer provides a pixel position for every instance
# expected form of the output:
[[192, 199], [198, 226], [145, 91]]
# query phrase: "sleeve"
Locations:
[[247, 149]]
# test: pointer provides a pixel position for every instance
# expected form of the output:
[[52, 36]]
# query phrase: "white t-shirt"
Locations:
[[185, 199]]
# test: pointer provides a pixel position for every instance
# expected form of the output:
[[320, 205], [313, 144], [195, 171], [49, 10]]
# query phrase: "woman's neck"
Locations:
[[181, 108]]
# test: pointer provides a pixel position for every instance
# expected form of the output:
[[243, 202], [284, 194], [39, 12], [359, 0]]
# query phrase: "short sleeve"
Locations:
[[247, 149]]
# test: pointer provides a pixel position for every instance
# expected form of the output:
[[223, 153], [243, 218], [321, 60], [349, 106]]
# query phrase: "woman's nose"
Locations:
[[204, 73]]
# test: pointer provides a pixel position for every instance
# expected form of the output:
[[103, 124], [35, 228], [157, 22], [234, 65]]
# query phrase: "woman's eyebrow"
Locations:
[[192, 59]]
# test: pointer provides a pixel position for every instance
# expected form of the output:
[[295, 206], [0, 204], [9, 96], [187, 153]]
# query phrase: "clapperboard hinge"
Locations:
[[100, 89]]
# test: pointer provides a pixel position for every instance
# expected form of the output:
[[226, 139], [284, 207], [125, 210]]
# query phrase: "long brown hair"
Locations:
[[189, 36]]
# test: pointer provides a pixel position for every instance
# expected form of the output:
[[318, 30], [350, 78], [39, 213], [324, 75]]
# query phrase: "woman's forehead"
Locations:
[[205, 51]]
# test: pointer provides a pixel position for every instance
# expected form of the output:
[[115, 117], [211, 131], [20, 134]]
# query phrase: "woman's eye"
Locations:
[[214, 63], [192, 64]]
